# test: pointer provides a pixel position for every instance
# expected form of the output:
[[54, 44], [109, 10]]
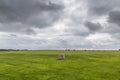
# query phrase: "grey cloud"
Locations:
[[117, 35], [113, 30], [13, 35], [12, 42], [102, 7], [114, 17], [17, 28], [71, 42], [77, 31], [114, 24], [109, 8], [85, 29], [32, 12], [93, 27], [77, 25], [81, 32], [22, 16], [30, 31]]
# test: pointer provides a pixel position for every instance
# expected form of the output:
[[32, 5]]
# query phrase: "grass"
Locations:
[[43, 65]]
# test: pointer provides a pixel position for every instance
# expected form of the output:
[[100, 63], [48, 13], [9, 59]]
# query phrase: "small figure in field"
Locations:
[[61, 56]]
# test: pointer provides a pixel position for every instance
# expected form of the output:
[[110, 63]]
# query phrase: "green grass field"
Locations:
[[43, 65]]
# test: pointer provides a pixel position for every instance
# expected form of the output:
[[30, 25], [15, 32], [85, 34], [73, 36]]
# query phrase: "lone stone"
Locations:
[[61, 57]]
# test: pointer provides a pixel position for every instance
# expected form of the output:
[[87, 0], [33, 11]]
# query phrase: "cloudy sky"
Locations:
[[59, 24]]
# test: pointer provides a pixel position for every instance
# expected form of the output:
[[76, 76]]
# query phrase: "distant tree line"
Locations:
[[12, 49], [70, 50]]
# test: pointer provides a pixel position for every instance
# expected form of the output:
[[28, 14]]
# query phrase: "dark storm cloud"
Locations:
[[114, 17], [38, 13], [102, 7], [114, 24], [93, 27]]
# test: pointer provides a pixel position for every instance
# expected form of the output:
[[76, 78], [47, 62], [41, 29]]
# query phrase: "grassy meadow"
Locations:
[[43, 65]]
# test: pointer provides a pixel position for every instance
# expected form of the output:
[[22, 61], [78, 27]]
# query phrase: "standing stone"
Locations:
[[61, 56]]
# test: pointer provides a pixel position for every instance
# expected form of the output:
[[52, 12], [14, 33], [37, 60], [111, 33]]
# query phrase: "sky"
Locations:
[[59, 24]]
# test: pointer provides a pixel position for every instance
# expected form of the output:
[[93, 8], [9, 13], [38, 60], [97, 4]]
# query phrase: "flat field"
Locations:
[[43, 65]]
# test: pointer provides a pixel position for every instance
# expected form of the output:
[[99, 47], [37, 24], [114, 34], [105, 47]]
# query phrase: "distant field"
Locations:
[[43, 65]]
